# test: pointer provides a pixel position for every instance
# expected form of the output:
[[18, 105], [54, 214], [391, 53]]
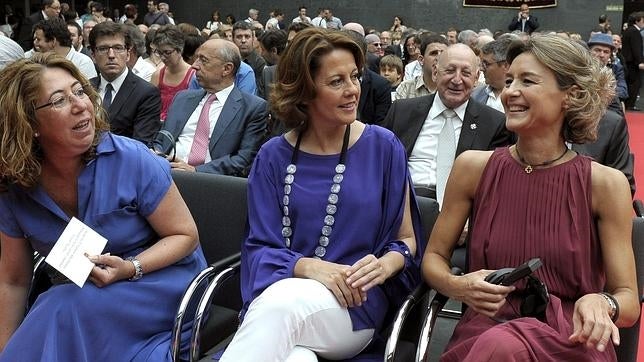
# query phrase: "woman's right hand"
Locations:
[[333, 276], [483, 297]]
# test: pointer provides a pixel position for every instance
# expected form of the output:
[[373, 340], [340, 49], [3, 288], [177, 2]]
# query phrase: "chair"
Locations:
[[218, 205], [629, 337], [406, 329]]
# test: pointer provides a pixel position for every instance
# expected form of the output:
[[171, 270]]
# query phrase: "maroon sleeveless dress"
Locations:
[[517, 216]]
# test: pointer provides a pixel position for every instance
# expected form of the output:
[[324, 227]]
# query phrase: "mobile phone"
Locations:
[[509, 276]]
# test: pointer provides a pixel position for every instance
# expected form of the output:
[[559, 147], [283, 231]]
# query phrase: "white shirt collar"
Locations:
[[116, 83], [438, 107]]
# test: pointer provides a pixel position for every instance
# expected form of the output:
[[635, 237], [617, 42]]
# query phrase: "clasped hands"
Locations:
[[592, 325], [350, 283], [109, 269]]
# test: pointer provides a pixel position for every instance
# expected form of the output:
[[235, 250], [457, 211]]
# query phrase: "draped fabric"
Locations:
[[517, 216]]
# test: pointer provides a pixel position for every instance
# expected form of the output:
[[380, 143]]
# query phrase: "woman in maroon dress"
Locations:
[[540, 199]]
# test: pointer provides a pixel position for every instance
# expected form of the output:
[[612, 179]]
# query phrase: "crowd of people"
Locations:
[[520, 136]]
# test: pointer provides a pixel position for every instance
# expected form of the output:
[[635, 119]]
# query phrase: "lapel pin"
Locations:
[[473, 126]]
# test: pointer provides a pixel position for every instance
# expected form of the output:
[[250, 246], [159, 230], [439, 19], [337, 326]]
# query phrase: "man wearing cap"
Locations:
[[601, 46], [611, 147]]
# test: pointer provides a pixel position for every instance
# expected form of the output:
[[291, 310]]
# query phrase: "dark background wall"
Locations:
[[572, 15]]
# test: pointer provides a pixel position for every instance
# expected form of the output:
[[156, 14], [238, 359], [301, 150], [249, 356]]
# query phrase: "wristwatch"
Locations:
[[138, 270]]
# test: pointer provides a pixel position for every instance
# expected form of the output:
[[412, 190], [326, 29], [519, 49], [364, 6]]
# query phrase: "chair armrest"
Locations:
[[204, 303], [639, 207], [400, 318], [190, 297]]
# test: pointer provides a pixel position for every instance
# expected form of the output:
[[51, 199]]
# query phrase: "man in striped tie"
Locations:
[[217, 129]]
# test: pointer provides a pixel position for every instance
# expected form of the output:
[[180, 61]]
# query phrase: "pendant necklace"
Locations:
[[331, 207], [529, 168]]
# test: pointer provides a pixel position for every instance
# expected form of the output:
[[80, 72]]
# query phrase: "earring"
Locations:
[[36, 134]]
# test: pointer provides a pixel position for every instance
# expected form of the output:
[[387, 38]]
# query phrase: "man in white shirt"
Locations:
[[301, 17], [216, 129], [53, 35], [319, 21], [494, 67]]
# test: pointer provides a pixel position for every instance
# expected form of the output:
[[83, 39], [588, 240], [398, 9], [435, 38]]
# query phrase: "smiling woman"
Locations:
[[313, 264], [57, 161]]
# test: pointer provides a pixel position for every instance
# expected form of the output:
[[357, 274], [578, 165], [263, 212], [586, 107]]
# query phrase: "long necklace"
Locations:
[[529, 168], [331, 207]]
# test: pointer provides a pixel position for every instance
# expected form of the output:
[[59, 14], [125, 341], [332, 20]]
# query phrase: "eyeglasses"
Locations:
[[63, 100], [118, 49], [485, 64], [163, 53]]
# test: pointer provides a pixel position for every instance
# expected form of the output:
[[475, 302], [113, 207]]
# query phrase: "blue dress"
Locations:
[[370, 209], [124, 321]]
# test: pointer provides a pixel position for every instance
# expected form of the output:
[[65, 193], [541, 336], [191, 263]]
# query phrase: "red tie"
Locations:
[[202, 135]]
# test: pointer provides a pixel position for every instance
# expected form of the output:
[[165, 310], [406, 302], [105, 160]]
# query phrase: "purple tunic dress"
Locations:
[[370, 210], [518, 216]]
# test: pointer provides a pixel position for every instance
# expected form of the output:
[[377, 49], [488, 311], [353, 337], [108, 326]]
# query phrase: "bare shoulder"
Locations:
[[468, 168], [609, 188]]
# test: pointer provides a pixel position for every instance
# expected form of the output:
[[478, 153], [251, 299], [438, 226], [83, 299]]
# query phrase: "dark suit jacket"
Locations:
[[237, 135], [632, 46], [375, 98], [135, 110], [611, 147], [530, 25], [483, 127], [25, 35]]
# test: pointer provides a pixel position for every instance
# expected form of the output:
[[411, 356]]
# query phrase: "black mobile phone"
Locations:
[[509, 276]]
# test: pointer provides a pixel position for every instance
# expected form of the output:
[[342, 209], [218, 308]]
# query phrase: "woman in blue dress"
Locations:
[[58, 161], [332, 243]]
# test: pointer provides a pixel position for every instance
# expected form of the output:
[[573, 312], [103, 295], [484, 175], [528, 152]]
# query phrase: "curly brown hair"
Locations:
[[573, 65], [20, 154], [294, 84]]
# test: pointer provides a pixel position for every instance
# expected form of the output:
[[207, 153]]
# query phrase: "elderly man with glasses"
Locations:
[[132, 104]]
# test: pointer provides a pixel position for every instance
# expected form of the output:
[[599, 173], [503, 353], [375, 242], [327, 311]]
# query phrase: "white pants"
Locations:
[[295, 320]]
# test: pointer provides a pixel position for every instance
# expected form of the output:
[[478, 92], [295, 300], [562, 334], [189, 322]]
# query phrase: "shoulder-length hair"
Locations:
[[20, 153], [573, 65], [295, 86]]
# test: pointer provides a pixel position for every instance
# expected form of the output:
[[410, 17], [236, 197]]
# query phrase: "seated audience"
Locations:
[[391, 68], [540, 199], [131, 103], [423, 84], [216, 129], [59, 162], [494, 66], [306, 292], [175, 74], [436, 128]]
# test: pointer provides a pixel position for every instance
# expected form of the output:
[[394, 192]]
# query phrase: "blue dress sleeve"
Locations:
[[154, 180], [8, 223], [265, 257]]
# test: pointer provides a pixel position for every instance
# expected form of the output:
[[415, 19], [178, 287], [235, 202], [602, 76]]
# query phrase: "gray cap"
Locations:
[[10, 51]]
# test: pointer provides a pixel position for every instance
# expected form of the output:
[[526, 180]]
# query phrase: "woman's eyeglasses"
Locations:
[[163, 53], [62, 101]]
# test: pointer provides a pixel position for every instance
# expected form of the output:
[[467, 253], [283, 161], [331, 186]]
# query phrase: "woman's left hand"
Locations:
[[109, 269], [367, 273], [592, 324]]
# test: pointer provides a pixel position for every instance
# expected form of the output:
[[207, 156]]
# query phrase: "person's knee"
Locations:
[[289, 297], [499, 344]]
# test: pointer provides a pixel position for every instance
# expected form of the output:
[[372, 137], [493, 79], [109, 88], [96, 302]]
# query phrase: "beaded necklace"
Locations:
[[331, 207], [529, 168]]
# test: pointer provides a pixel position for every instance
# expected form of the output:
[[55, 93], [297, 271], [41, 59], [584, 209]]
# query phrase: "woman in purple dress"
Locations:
[[332, 243], [58, 161], [540, 199]]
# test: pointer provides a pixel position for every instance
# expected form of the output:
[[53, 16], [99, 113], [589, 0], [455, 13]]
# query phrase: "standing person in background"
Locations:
[[48, 9], [398, 25], [175, 74], [214, 23], [276, 20], [301, 16], [154, 16], [332, 22], [165, 8], [632, 51], [524, 22]]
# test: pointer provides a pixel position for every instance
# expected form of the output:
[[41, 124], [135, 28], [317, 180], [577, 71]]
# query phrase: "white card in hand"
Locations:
[[68, 254]]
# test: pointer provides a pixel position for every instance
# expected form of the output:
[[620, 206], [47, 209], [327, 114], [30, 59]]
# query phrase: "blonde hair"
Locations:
[[592, 86], [20, 153]]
